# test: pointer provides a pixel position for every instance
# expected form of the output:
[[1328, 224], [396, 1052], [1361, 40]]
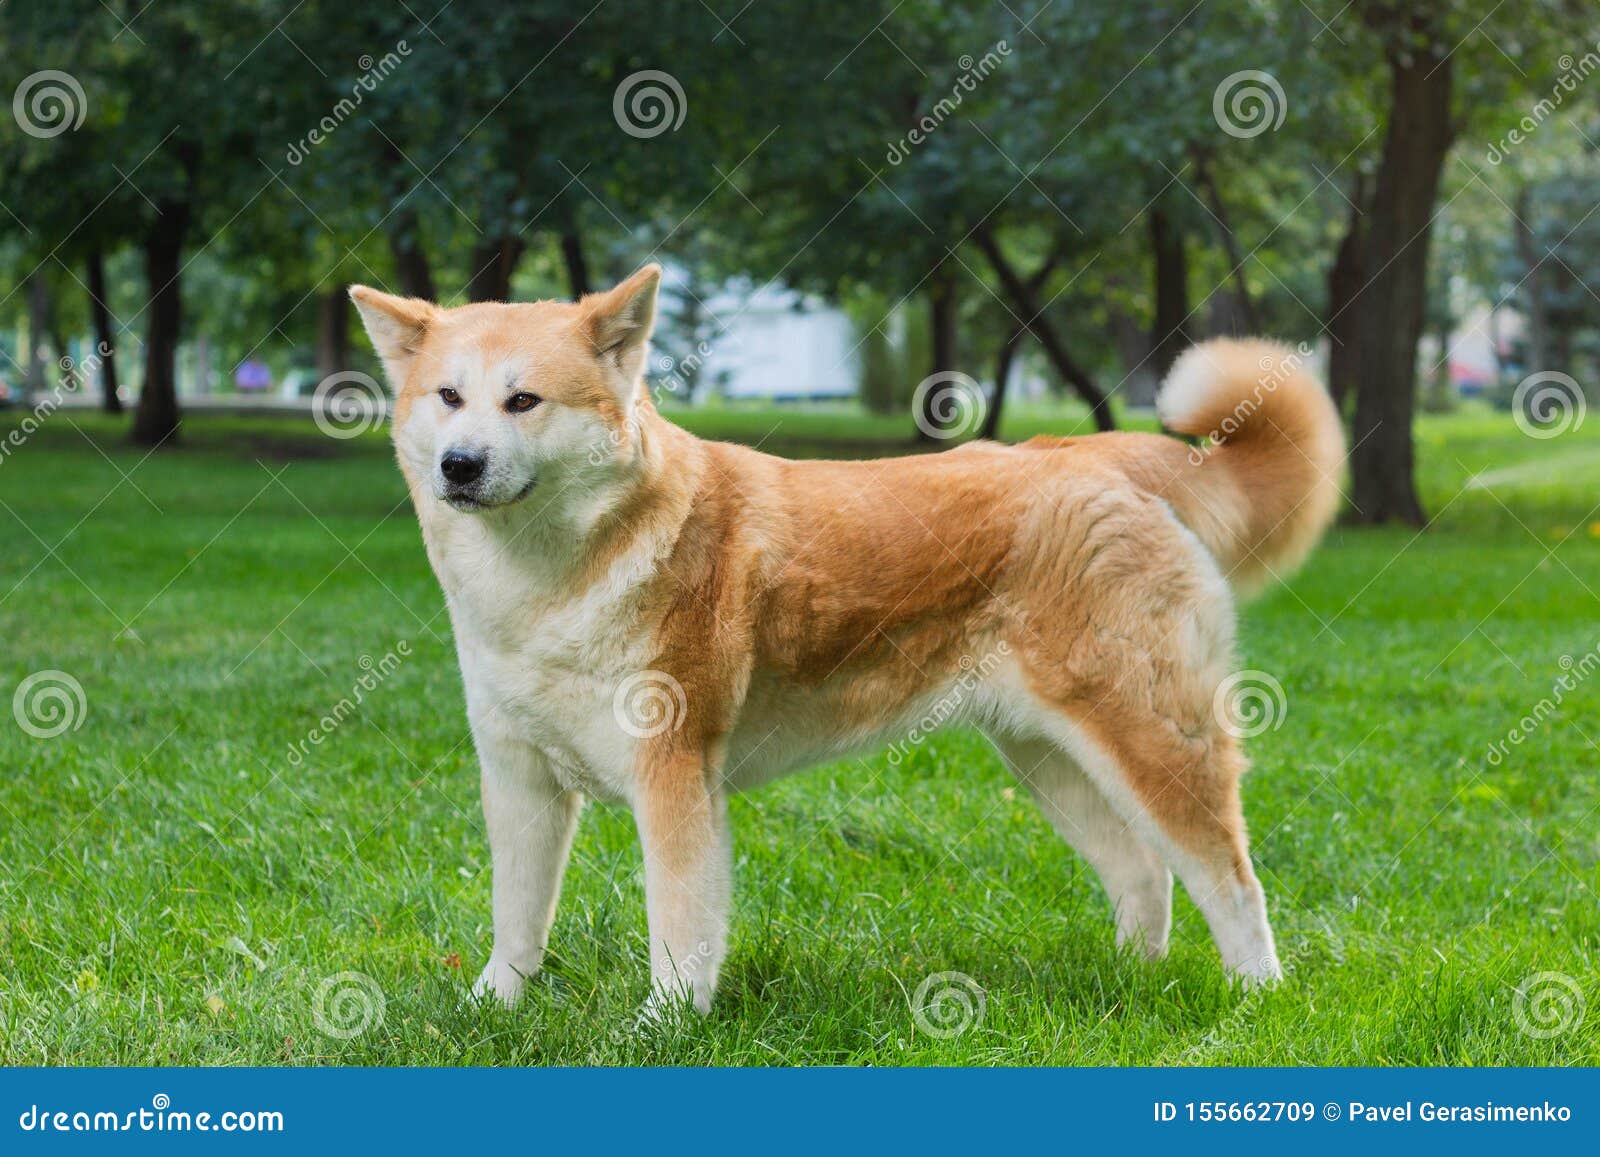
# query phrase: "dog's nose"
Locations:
[[460, 468]]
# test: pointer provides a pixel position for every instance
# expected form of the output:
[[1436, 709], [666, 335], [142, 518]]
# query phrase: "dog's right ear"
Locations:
[[396, 326]]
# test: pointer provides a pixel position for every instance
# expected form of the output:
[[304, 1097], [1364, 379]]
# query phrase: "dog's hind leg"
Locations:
[[531, 820], [1135, 878], [1182, 795]]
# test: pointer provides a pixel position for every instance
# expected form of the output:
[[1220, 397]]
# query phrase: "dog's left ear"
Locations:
[[396, 326], [619, 321]]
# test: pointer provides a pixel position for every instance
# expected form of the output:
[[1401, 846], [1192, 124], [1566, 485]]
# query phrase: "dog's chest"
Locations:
[[547, 670]]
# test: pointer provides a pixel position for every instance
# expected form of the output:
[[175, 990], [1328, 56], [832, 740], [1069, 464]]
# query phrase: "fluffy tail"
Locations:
[[1264, 484]]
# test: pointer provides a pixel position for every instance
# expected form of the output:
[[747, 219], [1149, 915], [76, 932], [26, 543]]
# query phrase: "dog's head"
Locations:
[[495, 401]]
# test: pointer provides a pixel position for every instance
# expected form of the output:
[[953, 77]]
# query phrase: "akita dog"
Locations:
[[647, 617]]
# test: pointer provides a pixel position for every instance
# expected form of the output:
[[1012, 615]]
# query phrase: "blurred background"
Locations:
[[1042, 203]]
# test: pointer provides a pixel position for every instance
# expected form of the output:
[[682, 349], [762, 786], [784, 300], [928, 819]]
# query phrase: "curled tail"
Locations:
[[1264, 484]]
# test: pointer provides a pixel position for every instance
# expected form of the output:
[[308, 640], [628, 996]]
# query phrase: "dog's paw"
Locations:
[[667, 1006], [500, 981], [1258, 972]]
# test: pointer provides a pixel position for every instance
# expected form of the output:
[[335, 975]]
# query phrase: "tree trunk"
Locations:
[[1002, 376], [1391, 306], [1025, 303], [1345, 278], [333, 332], [1013, 343], [105, 345], [494, 260], [38, 328], [572, 257], [412, 271], [1230, 244], [942, 346], [157, 417], [1534, 289], [1169, 334], [1132, 341]]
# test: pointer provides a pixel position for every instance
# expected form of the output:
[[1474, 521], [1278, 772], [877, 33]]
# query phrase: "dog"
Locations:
[[645, 617]]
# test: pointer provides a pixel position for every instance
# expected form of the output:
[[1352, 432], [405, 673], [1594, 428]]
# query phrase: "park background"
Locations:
[[239, 822]]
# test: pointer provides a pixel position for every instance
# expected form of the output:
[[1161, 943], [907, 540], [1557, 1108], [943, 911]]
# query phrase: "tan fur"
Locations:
[[808, 609]]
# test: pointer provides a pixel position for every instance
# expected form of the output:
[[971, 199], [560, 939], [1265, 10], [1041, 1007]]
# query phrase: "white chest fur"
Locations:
[[542, 658]]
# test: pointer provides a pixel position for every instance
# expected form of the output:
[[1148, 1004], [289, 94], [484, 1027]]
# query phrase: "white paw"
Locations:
[[667, 1005], [1259, 971], [500, 980]]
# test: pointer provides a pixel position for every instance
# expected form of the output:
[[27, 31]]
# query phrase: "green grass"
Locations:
[[174, 889]]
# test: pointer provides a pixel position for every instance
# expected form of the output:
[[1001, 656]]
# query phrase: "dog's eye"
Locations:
[[521, 403], [450, 397]]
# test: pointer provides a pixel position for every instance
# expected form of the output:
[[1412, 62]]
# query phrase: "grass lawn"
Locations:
[[179, 885]]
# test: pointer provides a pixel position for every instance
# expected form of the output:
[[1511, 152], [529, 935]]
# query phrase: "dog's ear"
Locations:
[[619, 321], [396, 326]]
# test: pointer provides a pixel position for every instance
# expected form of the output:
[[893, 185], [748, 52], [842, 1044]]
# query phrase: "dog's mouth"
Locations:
[[468, 503]]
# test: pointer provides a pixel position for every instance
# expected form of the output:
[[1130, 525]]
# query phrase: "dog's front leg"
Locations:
[[688, 879], [531, 819]]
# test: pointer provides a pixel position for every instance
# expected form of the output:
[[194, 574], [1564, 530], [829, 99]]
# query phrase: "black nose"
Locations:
[[461, 468]]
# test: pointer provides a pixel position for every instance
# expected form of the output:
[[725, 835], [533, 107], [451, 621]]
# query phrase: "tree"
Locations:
[[1446, 71]]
